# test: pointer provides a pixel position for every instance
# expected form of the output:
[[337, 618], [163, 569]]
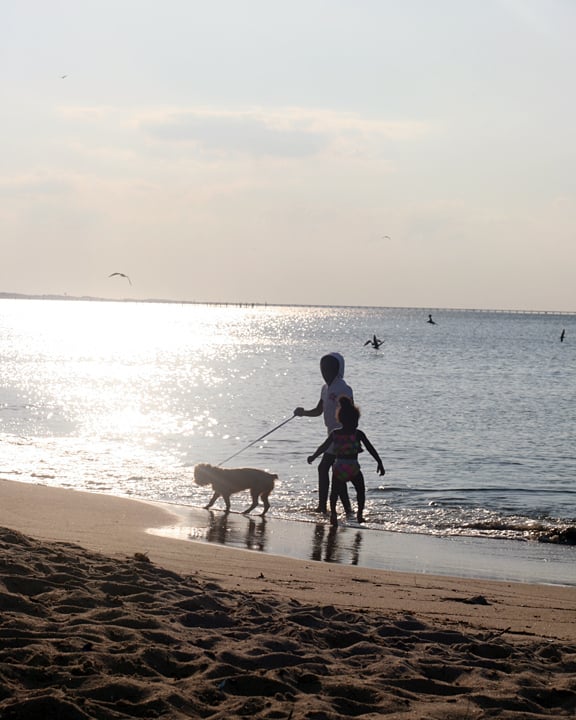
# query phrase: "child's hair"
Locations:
[[347, 413]]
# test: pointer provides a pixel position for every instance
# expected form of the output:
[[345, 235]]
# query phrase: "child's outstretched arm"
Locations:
[[322, 449], [368, 445]]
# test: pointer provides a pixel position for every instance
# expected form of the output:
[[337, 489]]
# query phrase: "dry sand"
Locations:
[[103, 620]]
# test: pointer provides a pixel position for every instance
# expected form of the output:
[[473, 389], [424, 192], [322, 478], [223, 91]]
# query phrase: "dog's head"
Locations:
[[203, 474]]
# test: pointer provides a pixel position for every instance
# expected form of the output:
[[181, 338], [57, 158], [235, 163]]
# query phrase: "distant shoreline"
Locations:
[[238, 304]]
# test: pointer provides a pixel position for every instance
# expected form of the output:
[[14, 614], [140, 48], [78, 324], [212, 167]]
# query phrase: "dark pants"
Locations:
[[324, 485]]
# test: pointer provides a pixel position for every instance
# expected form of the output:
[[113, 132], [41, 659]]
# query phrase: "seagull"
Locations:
[[63, 77], [121, 275], [374, 342]]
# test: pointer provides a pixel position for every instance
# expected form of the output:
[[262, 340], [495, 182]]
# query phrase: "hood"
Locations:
[[332, 367], [340, 363]]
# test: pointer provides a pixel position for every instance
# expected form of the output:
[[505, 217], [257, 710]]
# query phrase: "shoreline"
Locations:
[[349, 544], [102, 619], [120, 528]]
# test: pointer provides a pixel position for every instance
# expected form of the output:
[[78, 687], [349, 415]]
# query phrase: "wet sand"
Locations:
[[350, 544], [103, 619]]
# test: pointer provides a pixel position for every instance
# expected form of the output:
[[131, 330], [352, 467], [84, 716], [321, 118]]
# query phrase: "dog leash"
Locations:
[[257, 440]]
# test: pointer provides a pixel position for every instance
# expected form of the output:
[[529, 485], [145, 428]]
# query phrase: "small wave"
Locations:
[[389, 489], [559, 536], [494, 461], [505, 525], [491, 490]]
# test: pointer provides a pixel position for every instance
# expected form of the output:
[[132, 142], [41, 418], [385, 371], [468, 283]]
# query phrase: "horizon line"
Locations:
[[88, 298]]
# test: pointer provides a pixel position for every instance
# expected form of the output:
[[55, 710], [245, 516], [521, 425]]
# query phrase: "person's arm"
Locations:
[[318, 410], [321, 450], [368, 445]]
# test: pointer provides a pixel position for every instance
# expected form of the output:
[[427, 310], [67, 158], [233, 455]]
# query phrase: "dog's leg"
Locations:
[[227, 501], [264, 497], [212, 501], [254, 502]]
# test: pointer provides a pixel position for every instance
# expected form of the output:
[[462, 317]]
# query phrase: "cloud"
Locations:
[[282, 132], [239, 134], [33, 185]]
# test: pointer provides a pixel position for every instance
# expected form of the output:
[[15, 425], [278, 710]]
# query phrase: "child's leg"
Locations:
[[345, 498], [334, 495], [324, 481], [360, 487]]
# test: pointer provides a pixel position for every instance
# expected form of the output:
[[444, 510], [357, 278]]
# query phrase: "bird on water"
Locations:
[[375, 342]]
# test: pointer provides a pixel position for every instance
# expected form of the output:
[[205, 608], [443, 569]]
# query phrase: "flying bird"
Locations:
[[119, 274]]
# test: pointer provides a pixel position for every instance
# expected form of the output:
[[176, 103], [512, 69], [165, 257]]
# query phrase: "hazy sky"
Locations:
[[262, 150]]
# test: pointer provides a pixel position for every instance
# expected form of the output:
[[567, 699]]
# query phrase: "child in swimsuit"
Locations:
[[347, 443]]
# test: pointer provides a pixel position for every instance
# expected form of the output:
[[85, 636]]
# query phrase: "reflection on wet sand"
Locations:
[[349, 545], [326, 543], [223, 532]]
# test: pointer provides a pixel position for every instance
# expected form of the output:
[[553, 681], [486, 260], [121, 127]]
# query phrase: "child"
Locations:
[[347, 442]]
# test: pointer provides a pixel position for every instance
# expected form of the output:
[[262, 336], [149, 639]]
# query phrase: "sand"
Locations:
[[101, 619]]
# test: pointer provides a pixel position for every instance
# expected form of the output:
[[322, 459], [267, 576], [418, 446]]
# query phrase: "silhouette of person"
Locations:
[[332, 369], [374, 342], [562, 335], [430, 321], [346, 442]]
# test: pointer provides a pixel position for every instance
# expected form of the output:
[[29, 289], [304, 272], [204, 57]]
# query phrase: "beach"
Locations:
[[103, 619]]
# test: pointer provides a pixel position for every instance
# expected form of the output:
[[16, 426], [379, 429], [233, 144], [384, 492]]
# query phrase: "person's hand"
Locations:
[[381, 470], [311, 459], [299, 411]]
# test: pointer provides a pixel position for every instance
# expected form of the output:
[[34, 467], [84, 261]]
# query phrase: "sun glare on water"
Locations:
[[128, 369]]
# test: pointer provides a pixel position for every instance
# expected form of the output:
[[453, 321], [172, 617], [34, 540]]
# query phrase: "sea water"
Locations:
[[473, 416]]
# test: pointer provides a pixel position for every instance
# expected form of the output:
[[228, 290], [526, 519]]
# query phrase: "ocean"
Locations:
[[474, 416]]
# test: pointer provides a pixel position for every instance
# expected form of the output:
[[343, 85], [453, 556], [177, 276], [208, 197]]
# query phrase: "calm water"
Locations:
[[474, 416]]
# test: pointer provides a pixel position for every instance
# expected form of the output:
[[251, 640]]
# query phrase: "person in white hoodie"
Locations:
[[332, 369]]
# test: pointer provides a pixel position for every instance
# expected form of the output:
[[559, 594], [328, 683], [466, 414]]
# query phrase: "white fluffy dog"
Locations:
[[226, 481]]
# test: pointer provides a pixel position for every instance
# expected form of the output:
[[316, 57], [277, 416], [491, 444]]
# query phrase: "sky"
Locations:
[[332, 152]]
